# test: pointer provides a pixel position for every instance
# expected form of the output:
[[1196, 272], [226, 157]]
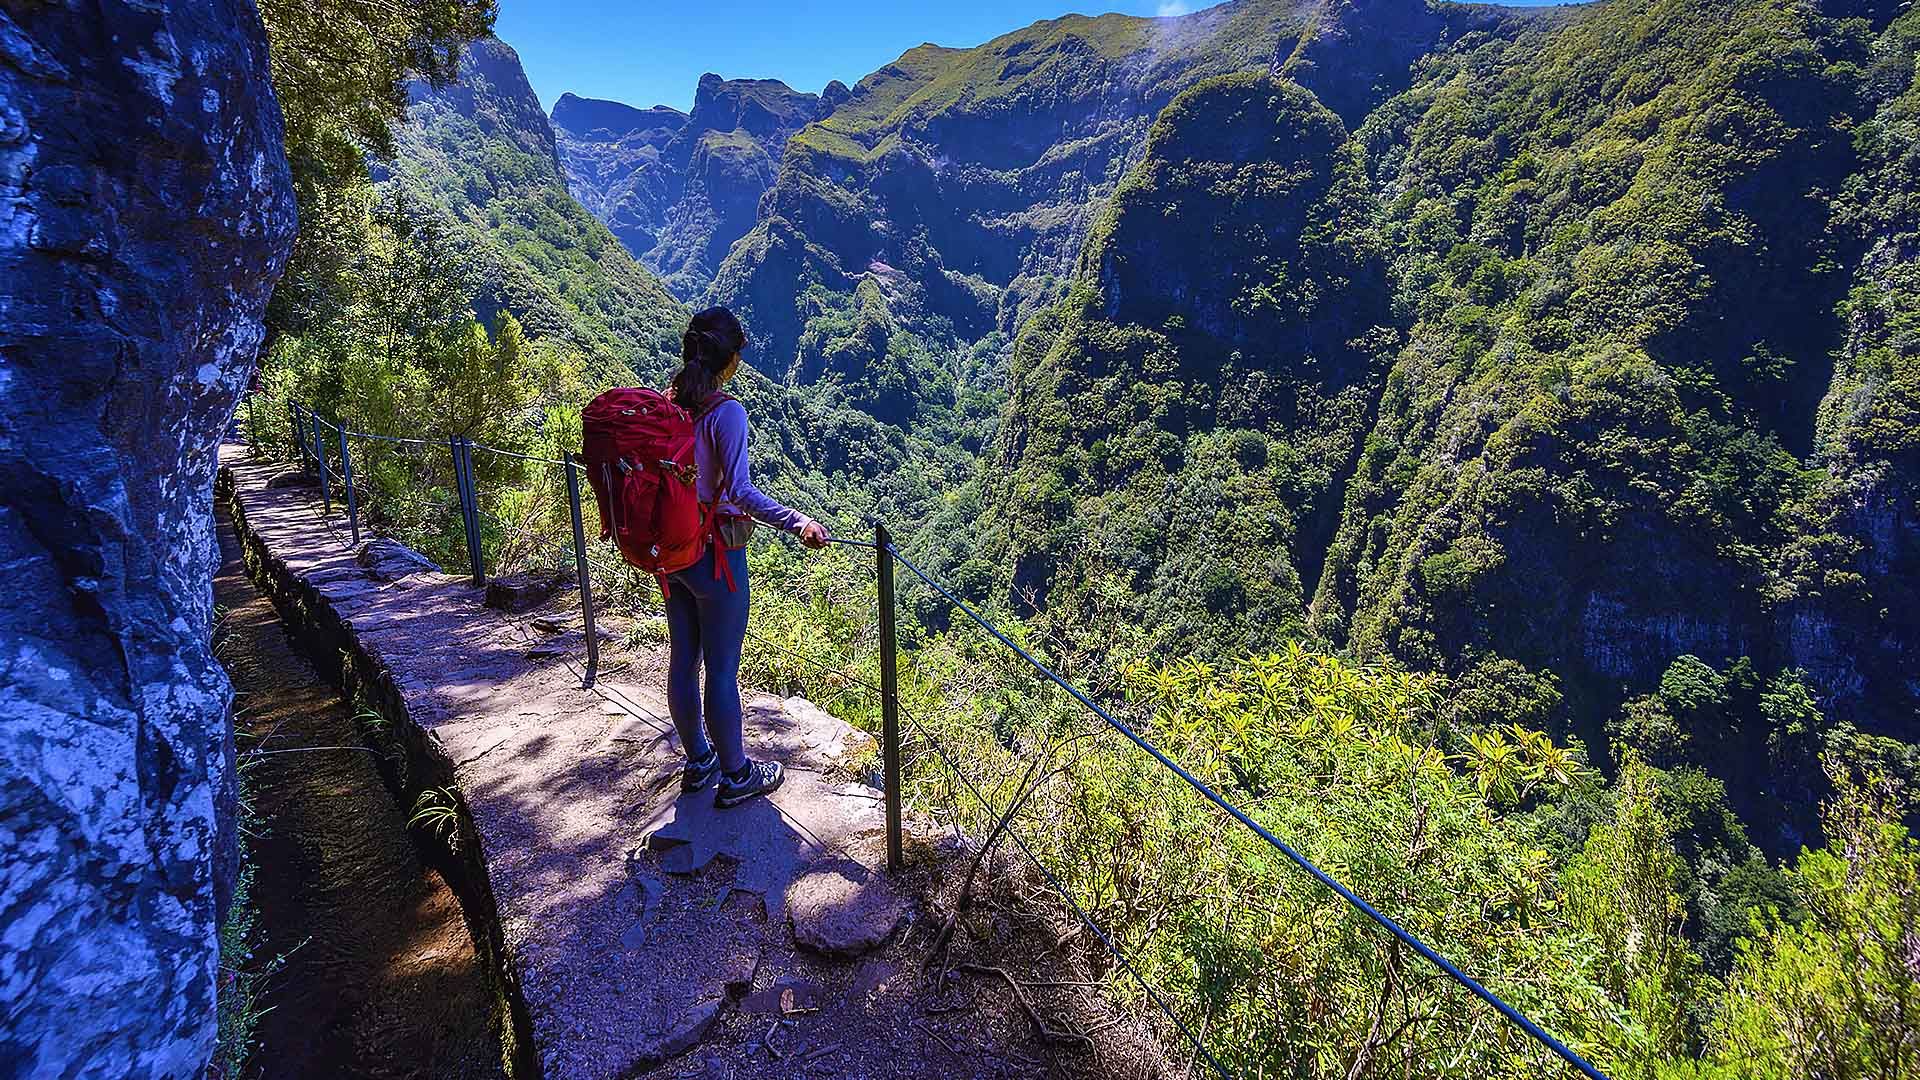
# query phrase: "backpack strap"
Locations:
[[714, 401], [722, 565]]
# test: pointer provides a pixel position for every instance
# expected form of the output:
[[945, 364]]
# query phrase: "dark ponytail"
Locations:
[[712, 338]]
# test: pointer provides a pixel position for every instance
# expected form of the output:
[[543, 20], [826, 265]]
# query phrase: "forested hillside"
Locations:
[[959, 185], [461, 262], [1559, 351], [1528, 377], [480, 154]]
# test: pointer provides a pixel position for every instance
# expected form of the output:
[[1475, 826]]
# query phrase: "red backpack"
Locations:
[[638, 447]]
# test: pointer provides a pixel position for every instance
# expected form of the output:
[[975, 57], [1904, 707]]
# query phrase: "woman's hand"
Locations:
[[813, 534]]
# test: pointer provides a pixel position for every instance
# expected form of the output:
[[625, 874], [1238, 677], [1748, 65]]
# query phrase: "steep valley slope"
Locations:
[[1635, 402], [478, 163], [1545, 348], [1568, 351]]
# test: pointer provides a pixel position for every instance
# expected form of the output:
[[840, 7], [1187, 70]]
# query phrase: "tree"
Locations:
[[1624, 889], [341, 70], [1836, 995]]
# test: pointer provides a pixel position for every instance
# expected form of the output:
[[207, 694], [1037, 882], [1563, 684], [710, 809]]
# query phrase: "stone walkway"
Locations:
[[634, 919]]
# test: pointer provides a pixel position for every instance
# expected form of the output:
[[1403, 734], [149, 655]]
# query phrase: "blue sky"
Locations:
[[654, 53]]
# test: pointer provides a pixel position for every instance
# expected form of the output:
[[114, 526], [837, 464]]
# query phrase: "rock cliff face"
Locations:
[[1859, 635], [679, 188], [145, 213], [611, 153]]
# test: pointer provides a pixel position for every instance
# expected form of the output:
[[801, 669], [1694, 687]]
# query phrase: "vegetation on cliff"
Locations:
[[1574, 412], [679, 188], [1507, 420]]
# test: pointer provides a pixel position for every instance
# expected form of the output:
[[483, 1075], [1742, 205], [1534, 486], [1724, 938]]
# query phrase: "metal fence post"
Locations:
[[889, 694], [320, 456], [580, 568], [460, 493], [469, 506], [346, 477]]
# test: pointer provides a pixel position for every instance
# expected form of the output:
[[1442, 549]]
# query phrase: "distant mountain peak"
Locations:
[[579, 116], [679, 188]]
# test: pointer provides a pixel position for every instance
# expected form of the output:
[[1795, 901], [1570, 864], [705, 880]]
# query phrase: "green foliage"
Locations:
[[1623, 889], [341, 70], [1535, 359], [1342, 762], [1440, 433], [437, 811], [1126, 400], [242, 976], [1613, 944], [482, 157], [1833, 993]]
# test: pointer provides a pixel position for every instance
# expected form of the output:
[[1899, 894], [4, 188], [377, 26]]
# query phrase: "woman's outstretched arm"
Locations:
[[729, 429]]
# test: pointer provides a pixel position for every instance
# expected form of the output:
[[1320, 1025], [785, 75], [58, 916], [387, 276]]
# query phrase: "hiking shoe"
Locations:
[[700, 775], [758, 778]]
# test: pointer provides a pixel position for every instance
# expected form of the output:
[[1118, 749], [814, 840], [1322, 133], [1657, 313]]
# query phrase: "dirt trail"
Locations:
[[642, 932], [381, 978]]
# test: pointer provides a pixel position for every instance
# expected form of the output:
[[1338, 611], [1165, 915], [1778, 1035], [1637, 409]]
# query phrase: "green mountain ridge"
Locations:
[[481, 153], [963, 182], [482, 158], [1481, 445], [1594, 441]]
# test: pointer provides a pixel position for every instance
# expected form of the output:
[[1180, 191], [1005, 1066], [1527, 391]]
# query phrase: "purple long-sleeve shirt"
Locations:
[[723, 432]]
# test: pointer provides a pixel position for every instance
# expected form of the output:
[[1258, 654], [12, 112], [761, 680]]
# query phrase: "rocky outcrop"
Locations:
[[612, 154], [679, 188], [844, 910], [516, 594], [145, 213], [390, 560]]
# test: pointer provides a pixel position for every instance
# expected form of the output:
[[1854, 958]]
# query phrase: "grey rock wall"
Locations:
[[145, 213]]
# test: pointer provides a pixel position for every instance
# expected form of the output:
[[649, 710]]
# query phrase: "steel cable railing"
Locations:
[[954, 769], [887, 552], [1390, 925]]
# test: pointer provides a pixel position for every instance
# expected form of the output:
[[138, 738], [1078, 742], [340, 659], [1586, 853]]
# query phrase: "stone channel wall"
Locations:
[[624, 921], [411, 760]]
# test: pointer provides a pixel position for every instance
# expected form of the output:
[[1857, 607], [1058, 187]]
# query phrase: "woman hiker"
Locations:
[[707, 619]]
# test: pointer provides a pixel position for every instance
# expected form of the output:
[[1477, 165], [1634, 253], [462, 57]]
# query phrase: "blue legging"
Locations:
[[707, 621]]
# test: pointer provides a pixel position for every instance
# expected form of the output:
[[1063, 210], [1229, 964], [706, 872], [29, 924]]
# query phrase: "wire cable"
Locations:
[[515, 454], [953, 767], [1513, 1015], [1507, 1011], [392, 438]]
